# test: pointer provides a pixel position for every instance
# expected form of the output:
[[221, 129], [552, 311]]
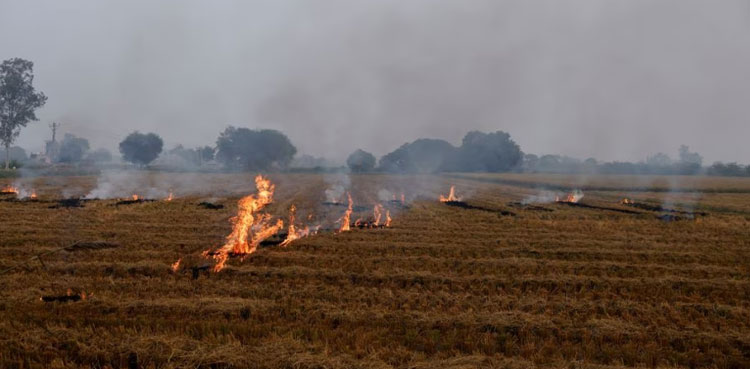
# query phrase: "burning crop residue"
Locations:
[[250, 226], [345, 219], [572, 198], [9, 190], [451, 196], [293, 233]]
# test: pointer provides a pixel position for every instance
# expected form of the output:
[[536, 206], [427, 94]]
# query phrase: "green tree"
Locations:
[[141, 149], [18, 100], [243, 148], [360, 161]]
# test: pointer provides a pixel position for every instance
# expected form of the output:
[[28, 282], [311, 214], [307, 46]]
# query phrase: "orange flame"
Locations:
[[176, 265], [403, 198], [135, 197], [451, 196], [249, 228], [170, 197], [572, 197], [33, 195], [10, 189], [627, 201], [387, 218], [377, 213], [293, 232], [345, 219]]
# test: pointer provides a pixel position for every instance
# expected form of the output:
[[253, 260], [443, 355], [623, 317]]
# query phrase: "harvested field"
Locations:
[[491, 282]]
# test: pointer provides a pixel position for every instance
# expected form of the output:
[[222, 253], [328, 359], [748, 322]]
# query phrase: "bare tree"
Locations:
[[18, 100]]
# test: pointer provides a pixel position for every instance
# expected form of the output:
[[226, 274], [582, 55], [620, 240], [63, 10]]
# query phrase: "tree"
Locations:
[[18, 100], [72, 149], [424, 155], [488, 152], [206, 153], [141, 149], [243, 148], [360, 161], [690, 162]]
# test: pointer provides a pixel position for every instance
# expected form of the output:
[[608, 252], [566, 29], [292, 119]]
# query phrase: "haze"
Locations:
[[615, 80]]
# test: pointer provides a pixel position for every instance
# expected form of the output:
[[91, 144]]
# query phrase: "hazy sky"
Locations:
[[613, 79]]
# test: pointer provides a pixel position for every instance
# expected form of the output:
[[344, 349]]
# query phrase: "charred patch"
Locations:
[[595, 207], [132, 202], [68, 203], [465, 205], [63, 298], [210, 206], [661, 209]]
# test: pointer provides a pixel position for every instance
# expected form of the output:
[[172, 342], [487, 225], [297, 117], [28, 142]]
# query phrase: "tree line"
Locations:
[[265, 149]]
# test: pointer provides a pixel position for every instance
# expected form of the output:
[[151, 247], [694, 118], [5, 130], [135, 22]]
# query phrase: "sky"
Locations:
[[610, 79]]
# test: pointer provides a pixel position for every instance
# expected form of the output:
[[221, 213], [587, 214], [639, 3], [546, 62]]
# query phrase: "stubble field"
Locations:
[[492, 283]]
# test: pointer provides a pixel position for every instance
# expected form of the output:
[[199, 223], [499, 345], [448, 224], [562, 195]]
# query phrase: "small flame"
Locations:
[[33, 195], [293, 232], [572, 197], [387, 218], [627, 201], [403, 198], [345, 219], [377, 213], [176, 265], [10, 189], [451, 196], [170, 197], [135, 197]]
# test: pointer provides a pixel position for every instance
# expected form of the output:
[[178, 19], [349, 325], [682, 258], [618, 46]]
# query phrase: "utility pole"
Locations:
[[54, 127]]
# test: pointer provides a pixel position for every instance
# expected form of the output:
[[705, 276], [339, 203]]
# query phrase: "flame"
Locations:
[[10, 189], [451, 196], [176, 265], [170, 197], [135, 197], [627, 201], [345, 219], [250, 228], [33, 195], [377, 213], [293, 232], [572, 197], [403, 198], [387, 218]]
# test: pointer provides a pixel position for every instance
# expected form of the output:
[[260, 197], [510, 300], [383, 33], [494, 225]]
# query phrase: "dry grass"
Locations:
[[444, 287]]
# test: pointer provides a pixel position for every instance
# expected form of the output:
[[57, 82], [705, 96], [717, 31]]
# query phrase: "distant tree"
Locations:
[[421, 156], [186, 157], [488, 152], [243, 148], [206, 153], [659, 160], [729, 169], [99, 156], [18, 100], [690, 162], [141, 149], [530, 162], [72, 149], [360, 161]]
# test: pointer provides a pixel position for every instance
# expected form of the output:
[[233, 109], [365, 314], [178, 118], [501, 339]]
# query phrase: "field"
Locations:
[[492, 283]]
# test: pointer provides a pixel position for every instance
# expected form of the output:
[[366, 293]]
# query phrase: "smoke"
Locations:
[[541, 198], [338, 184], [584, 78]]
